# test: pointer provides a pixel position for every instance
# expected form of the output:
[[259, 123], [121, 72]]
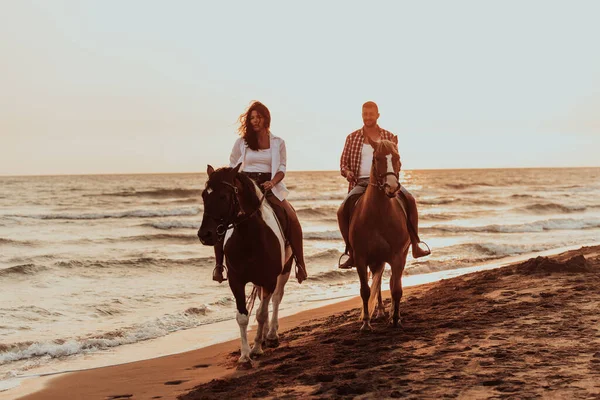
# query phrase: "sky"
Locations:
[[143, 86]]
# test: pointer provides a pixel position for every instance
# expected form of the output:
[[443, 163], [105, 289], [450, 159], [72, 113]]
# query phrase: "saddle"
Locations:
[[280, 213]]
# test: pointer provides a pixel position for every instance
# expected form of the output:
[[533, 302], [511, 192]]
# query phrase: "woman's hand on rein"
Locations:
[[268, 185]]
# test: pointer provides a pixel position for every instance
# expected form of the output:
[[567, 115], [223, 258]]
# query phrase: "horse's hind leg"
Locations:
[[242, 318], [272, 336], [380, 305], [262, 317]]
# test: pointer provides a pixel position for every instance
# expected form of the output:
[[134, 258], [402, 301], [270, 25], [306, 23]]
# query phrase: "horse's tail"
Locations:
[[375, 289], [256, 292]]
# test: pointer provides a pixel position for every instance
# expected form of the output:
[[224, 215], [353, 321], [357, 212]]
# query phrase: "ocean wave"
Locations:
[[159, 193], [334, 275], [331, 254], [22, 270], [326, 235], [16, 242], [437, 201], [460, 201], [175, 225], [318, 212], [166, 237], [466, 185], [550, 208], [491, 249], [142, 262], [537, 226], [442, 217], [190, 318], [118, 214]]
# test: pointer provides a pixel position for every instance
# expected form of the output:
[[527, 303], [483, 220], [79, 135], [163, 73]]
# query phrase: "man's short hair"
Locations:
[[371, 104]]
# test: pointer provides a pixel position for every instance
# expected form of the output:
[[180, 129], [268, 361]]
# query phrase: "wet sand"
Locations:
[[528, 330]]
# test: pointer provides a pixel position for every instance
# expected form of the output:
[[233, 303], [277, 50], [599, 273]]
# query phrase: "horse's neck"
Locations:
[[375, 196]]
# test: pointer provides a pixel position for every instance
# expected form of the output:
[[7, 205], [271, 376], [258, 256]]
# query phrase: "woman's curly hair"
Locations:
[[246, 130]]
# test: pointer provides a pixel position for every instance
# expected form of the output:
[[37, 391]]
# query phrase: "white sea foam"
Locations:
[[117, 214]]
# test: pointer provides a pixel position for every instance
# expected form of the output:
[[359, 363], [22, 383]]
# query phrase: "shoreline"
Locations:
[[37, 385]]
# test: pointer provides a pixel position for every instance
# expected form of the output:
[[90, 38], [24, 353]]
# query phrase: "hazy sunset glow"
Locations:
[[150, 86]]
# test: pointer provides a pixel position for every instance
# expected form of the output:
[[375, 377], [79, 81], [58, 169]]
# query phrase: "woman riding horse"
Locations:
[[263, 158]]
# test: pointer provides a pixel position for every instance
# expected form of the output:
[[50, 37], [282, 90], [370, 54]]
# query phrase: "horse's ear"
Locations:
[[209, 170], [237, 168]]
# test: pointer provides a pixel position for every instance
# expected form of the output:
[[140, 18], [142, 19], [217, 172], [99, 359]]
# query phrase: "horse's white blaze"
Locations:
[[390, 179]]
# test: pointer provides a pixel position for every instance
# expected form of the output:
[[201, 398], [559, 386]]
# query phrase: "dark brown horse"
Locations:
[[378, 233], [235, 211]]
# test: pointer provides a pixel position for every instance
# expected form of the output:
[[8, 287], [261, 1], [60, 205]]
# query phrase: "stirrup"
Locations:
[[428, 249], [221, 278], [340, 261]]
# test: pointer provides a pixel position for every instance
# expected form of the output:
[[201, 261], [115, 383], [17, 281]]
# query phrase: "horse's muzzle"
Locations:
[[388, 191], [206, 237]]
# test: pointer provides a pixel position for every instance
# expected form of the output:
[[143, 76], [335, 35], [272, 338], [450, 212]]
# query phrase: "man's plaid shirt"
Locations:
[[352, 151]]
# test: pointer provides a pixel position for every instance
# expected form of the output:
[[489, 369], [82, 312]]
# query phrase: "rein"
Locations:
[[224, 225]]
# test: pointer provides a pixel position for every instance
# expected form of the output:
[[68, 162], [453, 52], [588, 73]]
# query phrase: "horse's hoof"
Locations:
[[396, 323], [243, 365], [366, 327], [381, 316], [272, 343], [256, 351]]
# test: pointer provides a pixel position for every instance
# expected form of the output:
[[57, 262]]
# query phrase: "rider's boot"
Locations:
[[219, 268]]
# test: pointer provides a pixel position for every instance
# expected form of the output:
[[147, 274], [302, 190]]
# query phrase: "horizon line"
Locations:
[[290, 171]]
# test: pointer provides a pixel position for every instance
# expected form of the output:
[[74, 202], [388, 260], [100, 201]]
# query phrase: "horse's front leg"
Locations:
[[241, 317], [365, 292], [262, 317], [272, 336]]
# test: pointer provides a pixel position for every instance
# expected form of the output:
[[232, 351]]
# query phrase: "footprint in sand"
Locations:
[[177, 382], [119, 396], [198, 366]]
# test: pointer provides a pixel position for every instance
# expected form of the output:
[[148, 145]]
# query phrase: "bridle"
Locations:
[[380, 180], [236, 209]]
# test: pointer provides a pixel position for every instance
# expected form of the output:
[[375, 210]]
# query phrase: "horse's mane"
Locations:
[[387, 146], [250, 192]]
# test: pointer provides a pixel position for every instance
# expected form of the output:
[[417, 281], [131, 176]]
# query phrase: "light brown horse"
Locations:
[[379, 234]]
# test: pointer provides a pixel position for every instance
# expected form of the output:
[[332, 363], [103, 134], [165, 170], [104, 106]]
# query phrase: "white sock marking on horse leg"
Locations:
[[277, 296], [242, 321]]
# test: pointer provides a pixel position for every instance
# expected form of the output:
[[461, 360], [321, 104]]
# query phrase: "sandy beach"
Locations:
[[527, 330]]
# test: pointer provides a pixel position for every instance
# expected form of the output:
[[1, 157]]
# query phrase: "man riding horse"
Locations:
[[355, 166]]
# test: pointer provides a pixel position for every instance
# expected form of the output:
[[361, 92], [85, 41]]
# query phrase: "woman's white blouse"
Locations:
[[278, 161], [258, 160]]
